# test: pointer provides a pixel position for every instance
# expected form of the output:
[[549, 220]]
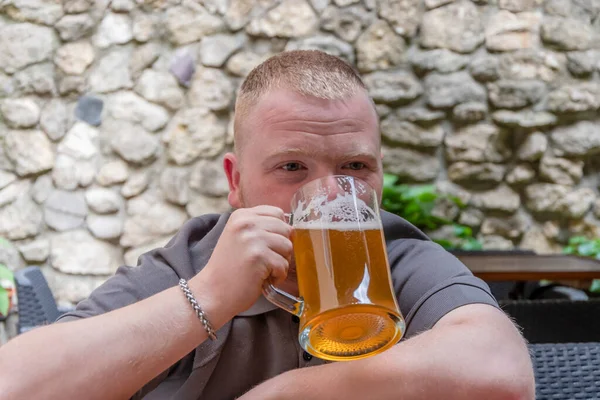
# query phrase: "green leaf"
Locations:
[[389, 180], [387, 192], [595, 287], [569, 250], [391, 194], [440, 221], [456, 200], [427, 197], [3, 242], [414, 206], [463, 231], [577, 240], [431, 224], [4, 301], [445, 243], [472, 244], [588, 249], [6, 273], [421, 190]]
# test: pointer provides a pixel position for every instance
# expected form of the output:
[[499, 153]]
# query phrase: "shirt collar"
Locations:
[[260, 306]]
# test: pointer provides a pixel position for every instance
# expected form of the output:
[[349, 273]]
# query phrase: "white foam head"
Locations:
[[344, 212], [339, 226]]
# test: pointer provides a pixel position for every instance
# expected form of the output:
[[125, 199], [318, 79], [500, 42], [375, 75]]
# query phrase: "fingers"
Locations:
[[275, 225], [280, 245], [264, 237], [279, 258], [279, 268], [263, 218], [269, 211]]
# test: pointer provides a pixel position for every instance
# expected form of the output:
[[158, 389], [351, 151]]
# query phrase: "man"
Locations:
[[299, 116]]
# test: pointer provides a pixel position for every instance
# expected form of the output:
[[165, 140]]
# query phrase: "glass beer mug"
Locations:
[[347, 306]]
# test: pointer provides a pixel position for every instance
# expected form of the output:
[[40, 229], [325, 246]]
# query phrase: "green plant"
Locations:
[[7, 284], [416, 203], [585, 247], [465, 237], [582, 246], [413, 203], [6, 289]]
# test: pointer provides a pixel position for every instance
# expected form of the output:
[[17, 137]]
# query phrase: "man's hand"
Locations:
[[255, 247]]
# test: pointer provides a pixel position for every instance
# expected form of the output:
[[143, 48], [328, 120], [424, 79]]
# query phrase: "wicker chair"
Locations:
[[556, 320], [35, 303], [566, 371]]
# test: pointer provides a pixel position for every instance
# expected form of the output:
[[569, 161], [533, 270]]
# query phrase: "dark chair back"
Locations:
[[556, 320], [35, 302], [566, 370]]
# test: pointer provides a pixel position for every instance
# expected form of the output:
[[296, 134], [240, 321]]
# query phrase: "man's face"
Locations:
[[290, 140]]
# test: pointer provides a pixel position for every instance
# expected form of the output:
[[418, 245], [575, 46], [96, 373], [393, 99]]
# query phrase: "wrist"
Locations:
[[211, 299]]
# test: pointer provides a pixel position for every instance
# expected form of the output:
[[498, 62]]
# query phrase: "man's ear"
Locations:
[[230, 165]]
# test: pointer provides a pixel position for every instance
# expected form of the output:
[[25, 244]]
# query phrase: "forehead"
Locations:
[[283, 117], [280, 104]]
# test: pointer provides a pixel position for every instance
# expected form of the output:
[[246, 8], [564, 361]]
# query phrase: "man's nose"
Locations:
[[336, 186]]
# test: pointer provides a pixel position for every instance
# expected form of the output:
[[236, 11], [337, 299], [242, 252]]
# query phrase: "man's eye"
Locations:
[[356, 165], [293, 166]]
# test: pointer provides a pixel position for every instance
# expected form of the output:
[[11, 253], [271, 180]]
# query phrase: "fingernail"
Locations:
[[287, 218]]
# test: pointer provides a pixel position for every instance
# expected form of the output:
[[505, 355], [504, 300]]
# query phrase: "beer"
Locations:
[[350, 310], [347, 308]]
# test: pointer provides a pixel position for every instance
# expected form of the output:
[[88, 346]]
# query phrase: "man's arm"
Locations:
[[113, 355], [474, 352], [110, 356]]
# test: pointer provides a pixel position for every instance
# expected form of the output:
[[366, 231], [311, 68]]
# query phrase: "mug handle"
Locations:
[[281, 298]]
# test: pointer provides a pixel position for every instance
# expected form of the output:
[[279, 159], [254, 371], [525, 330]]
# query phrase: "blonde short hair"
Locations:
[[307, 72]]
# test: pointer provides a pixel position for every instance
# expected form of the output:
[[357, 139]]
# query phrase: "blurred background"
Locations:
[[114, 116]]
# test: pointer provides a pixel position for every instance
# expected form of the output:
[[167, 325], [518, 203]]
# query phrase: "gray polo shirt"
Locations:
[[262, 342]]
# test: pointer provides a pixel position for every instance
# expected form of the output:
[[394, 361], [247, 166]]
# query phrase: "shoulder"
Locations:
[[404, 240], [396, 227], [197, 237], [407, 244], [199, 230], [429, 281]]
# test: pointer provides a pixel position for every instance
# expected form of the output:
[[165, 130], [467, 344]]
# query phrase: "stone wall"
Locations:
[[115, 114]]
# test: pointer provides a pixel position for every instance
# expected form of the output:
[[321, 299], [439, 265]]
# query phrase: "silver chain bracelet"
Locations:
[[201, 316]]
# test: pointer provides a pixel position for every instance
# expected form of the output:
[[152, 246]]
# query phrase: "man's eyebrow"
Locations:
[[360, 154], [298, 151], [292, 151]]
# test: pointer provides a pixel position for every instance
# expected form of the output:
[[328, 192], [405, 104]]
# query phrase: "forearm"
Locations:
[[451, 361], [109, 356]]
